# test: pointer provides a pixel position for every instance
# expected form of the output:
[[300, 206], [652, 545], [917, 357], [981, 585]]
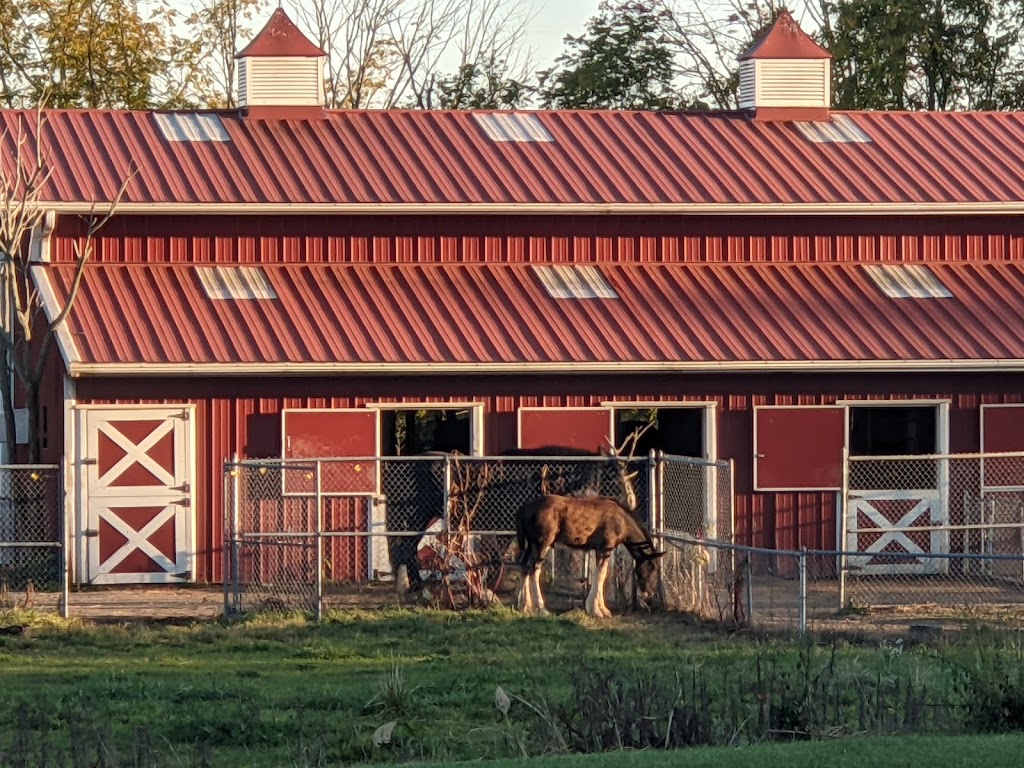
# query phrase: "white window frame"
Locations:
[[941, 422], [476, 418], [710, 435]]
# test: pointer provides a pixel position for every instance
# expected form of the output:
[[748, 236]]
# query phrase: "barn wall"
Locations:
[[426, 239], [244, 416]]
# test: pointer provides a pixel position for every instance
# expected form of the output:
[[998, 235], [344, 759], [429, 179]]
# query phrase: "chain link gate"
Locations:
[[33, 562], [694, 514], [946, 530]]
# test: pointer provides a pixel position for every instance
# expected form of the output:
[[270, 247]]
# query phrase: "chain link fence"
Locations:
[[945, 530], [297, 532], [33, 568]]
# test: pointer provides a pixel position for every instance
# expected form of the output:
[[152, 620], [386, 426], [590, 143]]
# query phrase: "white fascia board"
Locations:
[[611, 209], [696, 367]]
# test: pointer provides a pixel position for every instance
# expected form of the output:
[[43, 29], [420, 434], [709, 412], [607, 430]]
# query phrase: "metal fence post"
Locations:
[[236, 516], [446, 493], [803, 590], [748, 573], [319, 609], [65, 575], [843, 501], [732, 516], [229, 470]]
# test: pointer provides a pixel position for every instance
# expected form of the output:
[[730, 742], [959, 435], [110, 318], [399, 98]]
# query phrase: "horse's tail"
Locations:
[[521, 538]]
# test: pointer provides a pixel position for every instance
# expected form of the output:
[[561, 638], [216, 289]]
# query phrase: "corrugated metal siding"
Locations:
[[381, 157], [544, 239], [244, 416]]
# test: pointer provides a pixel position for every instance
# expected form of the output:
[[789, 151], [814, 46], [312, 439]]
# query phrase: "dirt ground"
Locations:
[[776, 608]]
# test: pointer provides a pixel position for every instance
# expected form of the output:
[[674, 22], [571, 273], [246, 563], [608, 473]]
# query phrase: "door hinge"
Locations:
[[185, 502], [91, 532], [183, 488], [184, 575], [88, 462], [184, 415]]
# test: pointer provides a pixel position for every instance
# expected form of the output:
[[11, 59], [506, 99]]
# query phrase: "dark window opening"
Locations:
[[893, 431], [676, 431], [414, 432]]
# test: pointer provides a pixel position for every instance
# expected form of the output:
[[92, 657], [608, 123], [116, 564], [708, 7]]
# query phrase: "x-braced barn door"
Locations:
[[136, 511]]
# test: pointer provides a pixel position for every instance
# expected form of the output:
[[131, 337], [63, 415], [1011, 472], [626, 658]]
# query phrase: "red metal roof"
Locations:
[[370, 160], [330, 317], [785, 40], [280, 37]]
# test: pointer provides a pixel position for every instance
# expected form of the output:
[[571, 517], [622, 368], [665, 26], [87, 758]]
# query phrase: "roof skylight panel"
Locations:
[[907, 281], [570, 281], [238, 283]]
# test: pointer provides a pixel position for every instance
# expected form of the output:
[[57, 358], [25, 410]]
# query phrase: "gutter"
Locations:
[[78, 369]]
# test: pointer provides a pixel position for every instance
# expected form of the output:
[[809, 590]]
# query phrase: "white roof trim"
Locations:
[[52, 308], [1006, 208], [688, 366]]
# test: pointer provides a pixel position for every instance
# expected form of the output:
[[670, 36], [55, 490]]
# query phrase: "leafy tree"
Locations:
[[90, 53], [481, 86], [706, 40], [621, 62], [218, 27], [923, 54]]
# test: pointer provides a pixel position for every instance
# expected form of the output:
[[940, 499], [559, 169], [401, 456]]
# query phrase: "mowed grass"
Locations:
[[283, 691], [1001, 751]]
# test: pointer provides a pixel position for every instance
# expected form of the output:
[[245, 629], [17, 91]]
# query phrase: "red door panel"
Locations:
[[332, 434], [586, 429], [1002, 431], [799, 448]]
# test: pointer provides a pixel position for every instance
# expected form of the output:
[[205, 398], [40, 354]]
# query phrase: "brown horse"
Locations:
[[598, 524]]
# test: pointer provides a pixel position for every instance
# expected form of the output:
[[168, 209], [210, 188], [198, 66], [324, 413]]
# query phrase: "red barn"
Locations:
[[781, 283]]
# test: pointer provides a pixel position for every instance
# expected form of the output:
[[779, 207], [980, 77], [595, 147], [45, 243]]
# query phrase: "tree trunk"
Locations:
[[35, 439], [7, 403]]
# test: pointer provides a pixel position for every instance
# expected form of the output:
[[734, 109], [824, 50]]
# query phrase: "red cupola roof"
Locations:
[[280, 37], [785, 40]]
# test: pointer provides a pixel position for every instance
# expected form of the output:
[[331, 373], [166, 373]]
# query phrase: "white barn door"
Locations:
[[136, 509]]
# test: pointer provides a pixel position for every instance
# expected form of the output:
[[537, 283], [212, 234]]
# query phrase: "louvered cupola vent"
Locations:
[[281, 72], [786, 75]]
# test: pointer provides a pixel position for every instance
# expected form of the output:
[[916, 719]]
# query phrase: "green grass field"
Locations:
[[283, 691]]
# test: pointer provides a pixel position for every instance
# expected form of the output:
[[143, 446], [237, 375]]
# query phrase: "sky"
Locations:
[[554, 20]]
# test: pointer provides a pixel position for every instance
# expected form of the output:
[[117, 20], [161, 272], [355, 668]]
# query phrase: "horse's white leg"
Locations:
[[591, 603], [599, 579], [524, 600], [538, 598]]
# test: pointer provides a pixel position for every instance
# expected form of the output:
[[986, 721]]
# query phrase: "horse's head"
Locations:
[[645, 570]]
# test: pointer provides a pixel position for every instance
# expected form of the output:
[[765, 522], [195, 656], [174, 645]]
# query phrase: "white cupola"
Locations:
[[281, 72], [786, 75]]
